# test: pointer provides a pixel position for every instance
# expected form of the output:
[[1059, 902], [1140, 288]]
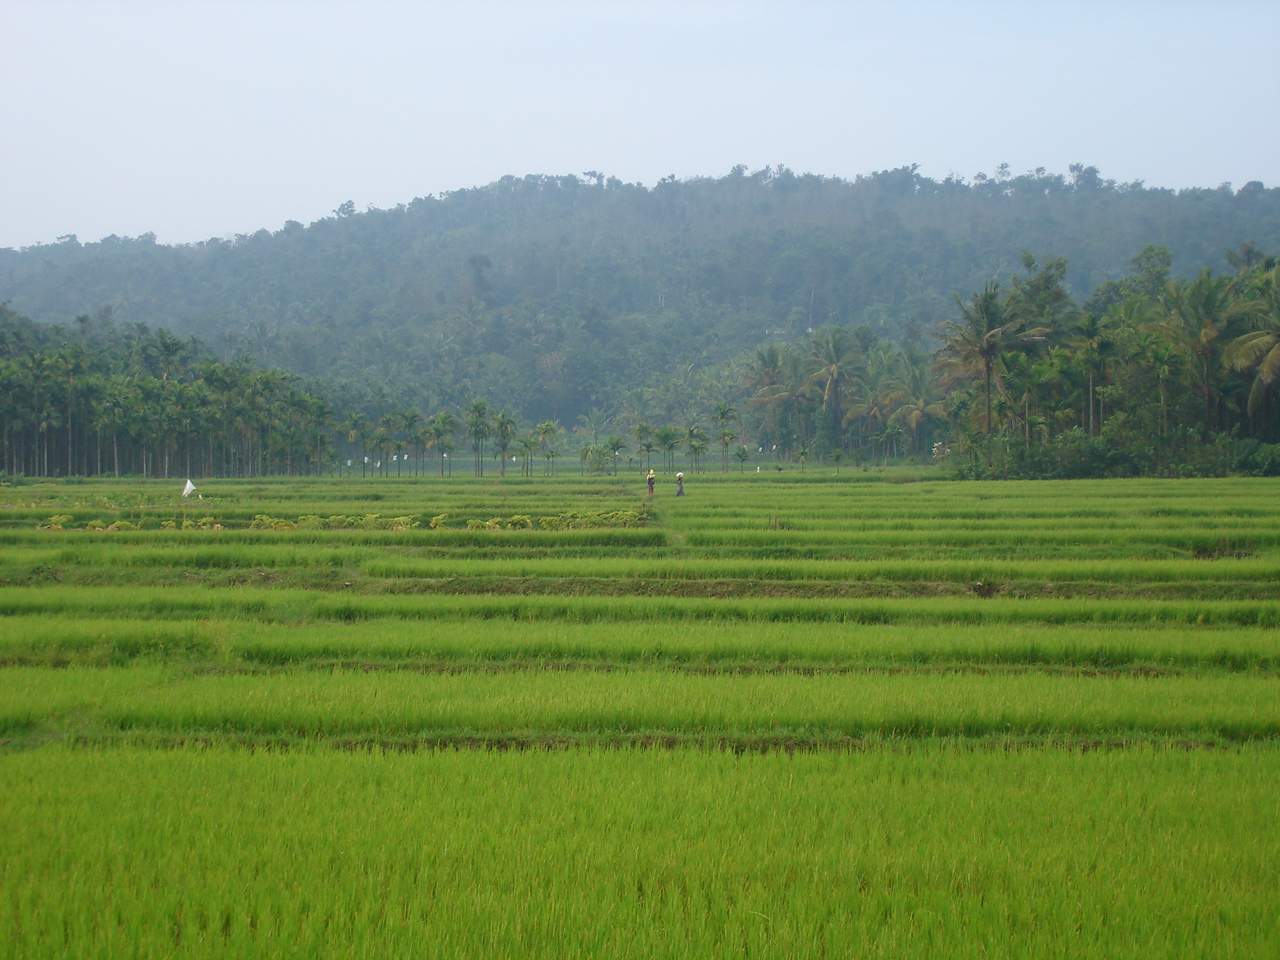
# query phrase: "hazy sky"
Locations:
[[209, 119]]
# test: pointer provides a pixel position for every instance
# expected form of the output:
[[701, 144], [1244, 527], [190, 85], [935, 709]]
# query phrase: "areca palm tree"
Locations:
[[725, 415], [984, 331], [1094, 338], [697, 449], [443, 428], [409, 421], [117, 398], [668, 439], [353, 430], [479, 428], [615, 445], [647, 447], [1163, 360], [528, 447], [504, 432], [644, 442], [388, 425], [695, 439], [546, 432], [727, 436], [422, 438]]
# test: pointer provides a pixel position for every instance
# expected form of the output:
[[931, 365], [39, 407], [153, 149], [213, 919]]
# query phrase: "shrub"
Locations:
[[263, 522]]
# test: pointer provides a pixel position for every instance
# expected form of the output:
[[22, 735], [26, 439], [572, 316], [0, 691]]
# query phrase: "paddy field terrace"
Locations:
[[786, 715]]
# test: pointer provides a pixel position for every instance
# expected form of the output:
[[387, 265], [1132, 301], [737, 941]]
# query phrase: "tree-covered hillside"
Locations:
[[552, 295]]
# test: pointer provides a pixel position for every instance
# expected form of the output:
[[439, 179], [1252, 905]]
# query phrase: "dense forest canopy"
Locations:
[[1150, 374], [553, 296]]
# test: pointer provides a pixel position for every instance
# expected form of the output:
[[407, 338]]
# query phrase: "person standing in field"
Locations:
[[679, 484], [651, 480]]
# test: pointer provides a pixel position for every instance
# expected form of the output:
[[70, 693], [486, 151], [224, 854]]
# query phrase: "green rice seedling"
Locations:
[[469, 643], [646, 703], [819, 740], [926, 852]]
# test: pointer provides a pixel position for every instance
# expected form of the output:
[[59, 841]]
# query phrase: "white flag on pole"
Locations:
[[188, 490]]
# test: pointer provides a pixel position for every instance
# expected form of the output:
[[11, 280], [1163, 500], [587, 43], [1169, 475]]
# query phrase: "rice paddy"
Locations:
[[786, 715]]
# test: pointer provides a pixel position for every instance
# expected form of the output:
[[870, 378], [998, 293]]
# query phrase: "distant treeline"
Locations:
[[1149, 374], [553, 295], [97, 399]]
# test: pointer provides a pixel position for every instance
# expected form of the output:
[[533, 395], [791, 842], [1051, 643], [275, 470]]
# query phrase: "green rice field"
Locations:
[[791, 715]]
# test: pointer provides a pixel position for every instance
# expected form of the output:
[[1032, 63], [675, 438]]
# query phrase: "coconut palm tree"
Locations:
[[984, 331], [784, 391], [595, 421], [1197, 319], [1258, 351], [913, 395], [833, 356]]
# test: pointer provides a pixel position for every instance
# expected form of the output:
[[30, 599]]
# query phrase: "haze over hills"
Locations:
[[552, 294]]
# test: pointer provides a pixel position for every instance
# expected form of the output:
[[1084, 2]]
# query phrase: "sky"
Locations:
[[193, 120]]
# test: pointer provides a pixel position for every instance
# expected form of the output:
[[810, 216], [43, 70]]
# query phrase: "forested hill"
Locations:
[[553, 294]]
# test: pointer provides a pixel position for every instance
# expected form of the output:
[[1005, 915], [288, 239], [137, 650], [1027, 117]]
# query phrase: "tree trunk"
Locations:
[[1208, 402], [987, 374], [1091, 428]]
